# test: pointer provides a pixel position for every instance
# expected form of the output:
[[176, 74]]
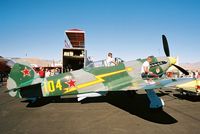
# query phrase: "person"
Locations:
[[193, 74], [41, 72], [110, 61], [198, 76], [47, 73], [57, 71], [52, 72], [145, 72]]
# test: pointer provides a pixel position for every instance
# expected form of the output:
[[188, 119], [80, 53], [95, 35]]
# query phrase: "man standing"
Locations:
[[110, 61], [47, 73], [41, 72]]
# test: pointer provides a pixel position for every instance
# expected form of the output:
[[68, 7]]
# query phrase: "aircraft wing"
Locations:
[[164, 83], [155, 101]]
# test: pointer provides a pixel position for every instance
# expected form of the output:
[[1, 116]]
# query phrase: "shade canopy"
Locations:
[[76, 38]]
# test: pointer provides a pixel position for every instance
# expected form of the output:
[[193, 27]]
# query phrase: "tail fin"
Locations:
[[21, 75]]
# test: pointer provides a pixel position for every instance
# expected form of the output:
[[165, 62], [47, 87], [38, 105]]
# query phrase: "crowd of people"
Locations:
[[48, 72], [196, 74]]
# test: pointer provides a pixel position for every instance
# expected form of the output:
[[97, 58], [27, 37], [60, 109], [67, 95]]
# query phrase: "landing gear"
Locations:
[[155, 101]]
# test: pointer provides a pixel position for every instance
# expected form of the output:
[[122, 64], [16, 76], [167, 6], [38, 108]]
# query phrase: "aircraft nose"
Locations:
[[172, 60]]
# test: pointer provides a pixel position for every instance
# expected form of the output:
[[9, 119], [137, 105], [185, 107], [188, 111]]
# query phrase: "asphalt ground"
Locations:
[[116, 113]]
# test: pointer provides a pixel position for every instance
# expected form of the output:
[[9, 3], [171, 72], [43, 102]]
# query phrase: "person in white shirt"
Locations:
[[110, 61], [47, 73], [145, 73], [196, 74]]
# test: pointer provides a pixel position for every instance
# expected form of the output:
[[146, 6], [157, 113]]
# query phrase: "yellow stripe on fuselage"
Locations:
[[99, 79]]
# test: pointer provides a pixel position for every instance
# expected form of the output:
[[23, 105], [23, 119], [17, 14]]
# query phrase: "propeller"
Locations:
[[165, 45], [167, 53], [181, 69]]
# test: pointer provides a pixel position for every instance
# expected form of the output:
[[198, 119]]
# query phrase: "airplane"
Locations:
[[5, 65], [96, 79], [190, 88]]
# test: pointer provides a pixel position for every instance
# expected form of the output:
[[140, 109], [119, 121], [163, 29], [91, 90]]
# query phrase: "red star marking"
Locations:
[[26, 72], [71, 83]]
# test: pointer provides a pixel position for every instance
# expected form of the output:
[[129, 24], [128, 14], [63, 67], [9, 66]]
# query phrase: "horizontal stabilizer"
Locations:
[[22, 75]]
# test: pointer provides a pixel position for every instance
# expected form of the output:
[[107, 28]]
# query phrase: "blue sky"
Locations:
[[130, 29]]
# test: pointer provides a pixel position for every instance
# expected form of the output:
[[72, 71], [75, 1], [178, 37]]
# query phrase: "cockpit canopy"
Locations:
[[102, 63]]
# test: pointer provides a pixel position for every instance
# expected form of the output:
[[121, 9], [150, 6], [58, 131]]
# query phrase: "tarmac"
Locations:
[[116, 113]]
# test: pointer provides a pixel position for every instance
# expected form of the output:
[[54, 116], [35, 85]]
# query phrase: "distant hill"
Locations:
[[191, 66], [42, 62], [36, 61]]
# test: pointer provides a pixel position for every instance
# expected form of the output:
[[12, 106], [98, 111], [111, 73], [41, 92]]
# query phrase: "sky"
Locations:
[[130, 29]]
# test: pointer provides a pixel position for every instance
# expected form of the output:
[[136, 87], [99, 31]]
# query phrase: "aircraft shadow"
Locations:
[[44, 101], [137, 105], [189, 98]]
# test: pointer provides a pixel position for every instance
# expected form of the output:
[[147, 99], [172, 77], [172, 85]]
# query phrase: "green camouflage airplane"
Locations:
[[94, 80]]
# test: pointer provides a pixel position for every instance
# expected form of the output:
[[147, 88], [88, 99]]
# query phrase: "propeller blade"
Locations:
[[181, 69], [165, 45]]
